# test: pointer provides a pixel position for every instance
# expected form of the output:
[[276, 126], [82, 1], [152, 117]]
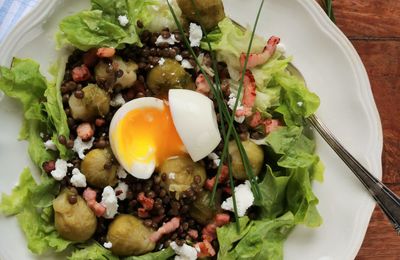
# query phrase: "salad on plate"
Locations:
[[166, 132]]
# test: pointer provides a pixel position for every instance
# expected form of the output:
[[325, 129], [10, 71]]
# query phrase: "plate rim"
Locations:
[[38, 15]]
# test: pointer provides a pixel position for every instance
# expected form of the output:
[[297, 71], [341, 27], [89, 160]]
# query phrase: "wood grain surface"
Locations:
[[373, 26]]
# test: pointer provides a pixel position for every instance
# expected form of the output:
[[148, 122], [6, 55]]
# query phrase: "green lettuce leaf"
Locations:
[[55, 109], [43, 110], [39, 232], [14, 203], [92, 251], [91, 29], [300, 198], [24, 82], [100, 27], [31, 203], [259, 239], [229, 42], [273, 190], [297, 102], [165, 254]]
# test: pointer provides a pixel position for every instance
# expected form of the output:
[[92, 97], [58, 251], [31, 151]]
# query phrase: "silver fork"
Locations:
[[388, 201]]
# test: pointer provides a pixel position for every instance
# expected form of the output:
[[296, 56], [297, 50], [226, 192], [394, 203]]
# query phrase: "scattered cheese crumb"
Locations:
[[281, 47], [80, 146], [78, 179], [61, 169], [215, 158], [123, 189], [50, 145], [121, 173], [195, 35], [161, 61], [300, 104], [171, 40], [186, 64], [41, 134], [184, 252], [171, 176], [178, 57], [107, 245], [244, 199], [231, 103], [123, 20], [117, 101], [110, 202]]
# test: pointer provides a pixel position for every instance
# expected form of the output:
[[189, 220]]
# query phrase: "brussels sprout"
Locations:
[[181, 171], [129, 236], [117, 73], [210, 12], [99, 169], [200, 209], [168, 76], [255, 154], [94, 103], [73, 221]]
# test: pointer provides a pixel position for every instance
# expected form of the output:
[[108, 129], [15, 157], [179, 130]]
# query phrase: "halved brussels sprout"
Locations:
[[73, 221], [181, 171], [210, 12], [129, 236], [201, 211], [168, 76], [95, 103], [255, 154], [117, 73], [99, 169]]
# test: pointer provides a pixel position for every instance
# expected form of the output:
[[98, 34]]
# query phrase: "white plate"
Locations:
[[332, 69]]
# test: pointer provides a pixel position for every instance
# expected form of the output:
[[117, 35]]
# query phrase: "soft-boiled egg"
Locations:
[[196, 122], [146, 131]]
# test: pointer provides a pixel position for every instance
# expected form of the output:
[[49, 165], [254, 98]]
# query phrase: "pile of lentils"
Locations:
[[166, 205]]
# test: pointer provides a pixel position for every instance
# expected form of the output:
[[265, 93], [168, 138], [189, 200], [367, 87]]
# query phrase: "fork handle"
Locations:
[[388, 201]]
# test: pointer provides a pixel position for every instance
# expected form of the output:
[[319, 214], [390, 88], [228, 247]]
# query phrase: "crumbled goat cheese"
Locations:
[[171, 40], [80, 146], [121, 173], [78, 179], [107, 245], [171, 176], [300, 104], [61, 169], [186, 64], [123, 189], [240, 119], [184, 252], [50, 145], [110, 202], [117, 101], [161, 61], [195, 35], [123, 20], [41, 134], [281, 47], [244, 199], [215, 158], [178, 57], [231, 103]]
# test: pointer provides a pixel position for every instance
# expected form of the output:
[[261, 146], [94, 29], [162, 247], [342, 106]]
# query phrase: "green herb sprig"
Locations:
[[328, 6], [226, 117]]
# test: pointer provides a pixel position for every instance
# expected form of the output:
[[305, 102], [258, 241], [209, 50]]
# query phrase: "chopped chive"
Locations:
[[223, 109]]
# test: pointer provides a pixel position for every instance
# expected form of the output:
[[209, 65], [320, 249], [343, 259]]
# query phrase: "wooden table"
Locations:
[[373, 26]]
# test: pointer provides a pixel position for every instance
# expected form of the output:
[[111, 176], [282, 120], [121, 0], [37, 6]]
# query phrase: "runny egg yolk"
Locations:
[[147, 136]]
